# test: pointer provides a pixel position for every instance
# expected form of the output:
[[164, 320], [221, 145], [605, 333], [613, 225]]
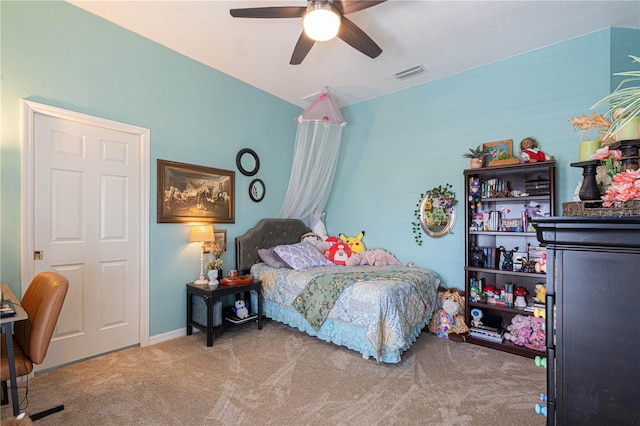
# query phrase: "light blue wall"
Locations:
[[55, 53], [398, 146], [394, 147]]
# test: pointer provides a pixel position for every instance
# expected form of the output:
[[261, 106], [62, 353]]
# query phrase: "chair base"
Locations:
[[4, 400], [45, 413]]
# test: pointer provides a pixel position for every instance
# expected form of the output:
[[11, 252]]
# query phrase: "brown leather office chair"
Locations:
[[43, 302]]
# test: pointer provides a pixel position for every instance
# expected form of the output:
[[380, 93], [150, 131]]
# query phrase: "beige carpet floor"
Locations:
[[280, 376]]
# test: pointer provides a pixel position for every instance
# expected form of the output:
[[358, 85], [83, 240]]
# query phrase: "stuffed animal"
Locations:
[[541, 264], [355, 243], [240, 309], [519, 330], [541, 292], [448, 320], [537, 340], [339, 253], [311, 238], [375, 257]]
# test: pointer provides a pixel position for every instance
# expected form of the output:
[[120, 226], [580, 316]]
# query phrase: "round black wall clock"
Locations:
[[247, 162], [257, 190]]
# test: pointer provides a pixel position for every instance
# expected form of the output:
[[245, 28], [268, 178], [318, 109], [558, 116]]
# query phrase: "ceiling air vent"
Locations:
[[411, 72]]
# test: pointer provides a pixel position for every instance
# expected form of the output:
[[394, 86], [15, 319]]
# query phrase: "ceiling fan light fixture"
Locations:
[[321, 22]]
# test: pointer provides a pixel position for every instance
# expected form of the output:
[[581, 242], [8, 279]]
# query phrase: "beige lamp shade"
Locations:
[[202, 233]]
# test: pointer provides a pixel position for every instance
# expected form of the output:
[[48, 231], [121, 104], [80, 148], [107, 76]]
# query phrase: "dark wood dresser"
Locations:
[[593, 355]]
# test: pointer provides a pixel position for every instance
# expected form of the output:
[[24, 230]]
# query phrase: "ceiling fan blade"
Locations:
[[269, 12], [358, 39], [350, 6], [303, 46]]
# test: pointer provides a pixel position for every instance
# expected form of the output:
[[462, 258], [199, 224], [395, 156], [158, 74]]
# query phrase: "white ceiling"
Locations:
[[446, 37]]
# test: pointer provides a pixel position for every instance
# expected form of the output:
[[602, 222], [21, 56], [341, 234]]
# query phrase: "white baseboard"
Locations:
[[170, 335]]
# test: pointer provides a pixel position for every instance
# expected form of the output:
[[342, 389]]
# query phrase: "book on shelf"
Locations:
[[491, 257], [234, 319], [531, 306]]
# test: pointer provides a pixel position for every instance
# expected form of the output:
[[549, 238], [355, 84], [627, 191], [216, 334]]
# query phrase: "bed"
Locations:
[[378, 311]]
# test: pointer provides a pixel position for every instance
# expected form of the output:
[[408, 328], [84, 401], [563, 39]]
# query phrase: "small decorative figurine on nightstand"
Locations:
[[240, 309], [531, 153], [507, 263]]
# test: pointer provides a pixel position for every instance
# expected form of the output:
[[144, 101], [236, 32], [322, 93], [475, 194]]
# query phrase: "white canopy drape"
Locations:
[[315, 158]]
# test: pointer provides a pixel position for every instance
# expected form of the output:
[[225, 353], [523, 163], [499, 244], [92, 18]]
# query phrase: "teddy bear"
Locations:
[[448, 320]]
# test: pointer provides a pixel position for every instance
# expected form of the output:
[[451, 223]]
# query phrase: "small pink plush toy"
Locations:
[[541, 264]]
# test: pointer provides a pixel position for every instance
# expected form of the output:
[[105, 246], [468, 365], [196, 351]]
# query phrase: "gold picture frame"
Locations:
[[190, 193]]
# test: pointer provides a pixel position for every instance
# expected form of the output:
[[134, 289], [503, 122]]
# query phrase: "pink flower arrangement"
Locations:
[[625, 187], [604, 153]]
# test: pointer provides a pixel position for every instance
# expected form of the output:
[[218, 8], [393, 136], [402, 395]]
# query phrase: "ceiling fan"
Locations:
[[319, 17]]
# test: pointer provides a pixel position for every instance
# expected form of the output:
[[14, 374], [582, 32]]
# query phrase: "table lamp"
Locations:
[[202, 234]]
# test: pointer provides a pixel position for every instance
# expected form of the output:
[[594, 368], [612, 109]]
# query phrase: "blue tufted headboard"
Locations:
[[267, 233]]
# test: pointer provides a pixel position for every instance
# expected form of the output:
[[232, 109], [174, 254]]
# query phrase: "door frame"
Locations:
[[27, 267]]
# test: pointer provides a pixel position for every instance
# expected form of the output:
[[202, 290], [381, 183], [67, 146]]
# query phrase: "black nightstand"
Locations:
[[210, 295]]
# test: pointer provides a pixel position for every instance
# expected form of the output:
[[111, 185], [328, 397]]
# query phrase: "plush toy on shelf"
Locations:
[[519, 330], [448, 320], [541, 264], [531, 152], [241, 309], [537, 340], [527, 331], [541, 292]]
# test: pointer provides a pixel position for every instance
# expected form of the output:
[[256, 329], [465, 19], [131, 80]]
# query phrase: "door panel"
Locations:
[[87, 207]]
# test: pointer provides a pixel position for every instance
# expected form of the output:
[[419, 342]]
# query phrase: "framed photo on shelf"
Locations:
[[190, 193], [500, 153]]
